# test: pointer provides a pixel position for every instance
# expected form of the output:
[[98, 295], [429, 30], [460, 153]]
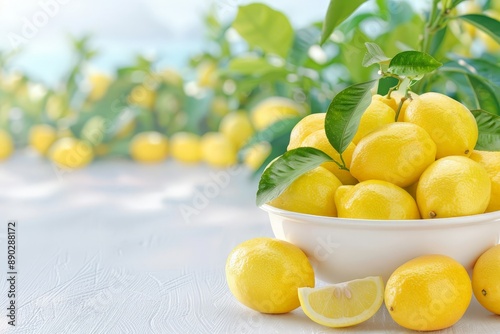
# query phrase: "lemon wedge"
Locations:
[[343, 304]]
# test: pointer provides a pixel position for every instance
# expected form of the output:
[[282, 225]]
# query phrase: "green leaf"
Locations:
[[264, 27], [273, 132], [338, 11], [489, 131], [286, 169], [374, 55], [455, 3], [488, 70], [304, 39], [487, 24], [251, 66], [413, 64], [344, 113]]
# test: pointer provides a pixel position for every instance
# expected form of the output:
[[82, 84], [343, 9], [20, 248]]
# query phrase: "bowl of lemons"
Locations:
[[412, 181]]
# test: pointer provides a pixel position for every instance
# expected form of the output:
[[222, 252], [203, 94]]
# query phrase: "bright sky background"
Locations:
[[171, 29]]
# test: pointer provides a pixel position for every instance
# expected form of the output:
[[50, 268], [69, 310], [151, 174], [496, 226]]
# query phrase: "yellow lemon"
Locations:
[[406, 103], [256, 155], [486, 278], [449, 123], [142, 96], [375, 199], [220, 106], [344, 304], [207, 74], [394, 102], [274, 109], [186, 147], [56, 107], [376, 115], [149, 147], [306, 126], [318, 140], [94, 130], [71, 153], [99, 83], [6, 145], [237, 127], [41, 137], [428, 293], [171, 77], [217, 150], [264, 274], [397, 152], [453, 186], [313, 192], [126, 129], [490, 161]]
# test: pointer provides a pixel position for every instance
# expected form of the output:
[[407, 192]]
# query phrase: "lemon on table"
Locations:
[[428, 293], [304, 128], [397, 152], [264, 274], [449, 123], [453, 186], [149, 147], [71, 153], [313, 193], [6, 145], [374, 199], [490, 161], [486, 278], [41, 137], [376, 115], [274, 109], [344, 304], [318, 140], [186, 147], [217, 150], [237, 127]]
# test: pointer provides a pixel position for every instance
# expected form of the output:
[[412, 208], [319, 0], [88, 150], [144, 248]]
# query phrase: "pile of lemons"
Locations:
[[427, 293], [420, 163], [218, 149]]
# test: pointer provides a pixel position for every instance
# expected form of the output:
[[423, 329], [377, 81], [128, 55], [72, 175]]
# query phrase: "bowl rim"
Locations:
[[305, 218]]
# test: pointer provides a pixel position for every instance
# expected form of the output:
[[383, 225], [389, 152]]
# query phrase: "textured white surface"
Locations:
[[107, 250]]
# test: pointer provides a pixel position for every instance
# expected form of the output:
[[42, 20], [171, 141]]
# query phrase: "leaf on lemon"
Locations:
[[412, 64], [489, 131], [286, 169], [344, 113]]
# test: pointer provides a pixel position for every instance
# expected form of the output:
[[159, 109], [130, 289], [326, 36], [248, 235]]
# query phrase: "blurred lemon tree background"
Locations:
[[236, 98]]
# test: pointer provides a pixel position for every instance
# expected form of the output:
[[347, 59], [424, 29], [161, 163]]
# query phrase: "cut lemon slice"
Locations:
[[343, 304]]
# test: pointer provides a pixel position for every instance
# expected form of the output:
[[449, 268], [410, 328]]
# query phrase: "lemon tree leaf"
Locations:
[[264, 27], [337, 12], [344, 113], [277, 130], [303, 40], [374, 55], [482, 67], [412, 64], [487, 24], [489, 130], [286, 169]]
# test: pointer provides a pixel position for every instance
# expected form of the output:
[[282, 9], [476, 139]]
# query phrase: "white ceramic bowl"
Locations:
[[345, 249]]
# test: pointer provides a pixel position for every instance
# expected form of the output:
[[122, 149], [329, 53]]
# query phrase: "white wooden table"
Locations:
[[124, 248]]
